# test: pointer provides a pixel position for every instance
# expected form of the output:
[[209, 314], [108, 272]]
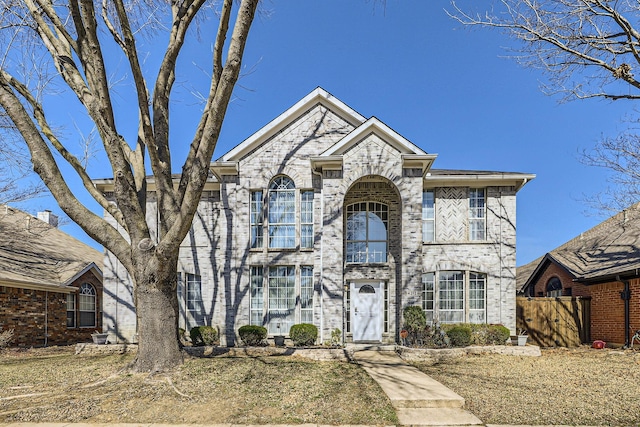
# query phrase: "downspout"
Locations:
[[318, 174], [625, 295]]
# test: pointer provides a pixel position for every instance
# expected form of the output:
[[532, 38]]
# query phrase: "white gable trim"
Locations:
[[91, 267], [375, 126], [317, 96]]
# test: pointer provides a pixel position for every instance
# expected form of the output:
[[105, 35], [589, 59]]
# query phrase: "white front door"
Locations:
[[366, 311]]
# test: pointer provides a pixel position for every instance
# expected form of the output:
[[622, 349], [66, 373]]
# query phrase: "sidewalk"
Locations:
[[418, 399]]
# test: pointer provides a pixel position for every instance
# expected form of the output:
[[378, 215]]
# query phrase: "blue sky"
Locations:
[[447, 89]]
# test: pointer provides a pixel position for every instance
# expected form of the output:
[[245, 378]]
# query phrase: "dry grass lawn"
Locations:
[[569, 387], [56, 385]]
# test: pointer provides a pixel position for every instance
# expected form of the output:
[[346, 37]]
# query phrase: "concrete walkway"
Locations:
[[418, 399]]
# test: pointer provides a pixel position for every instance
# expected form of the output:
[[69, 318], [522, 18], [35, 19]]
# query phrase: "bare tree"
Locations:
[[587, 49], [62, 45]]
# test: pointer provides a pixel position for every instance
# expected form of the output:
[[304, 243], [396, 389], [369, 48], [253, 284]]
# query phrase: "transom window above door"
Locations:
[[366, 232]]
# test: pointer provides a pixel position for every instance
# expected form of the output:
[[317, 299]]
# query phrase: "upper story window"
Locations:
[[306, 219], [366, 232], [428, 216], [256, 219], [477, 214], [282, 217], [282, 213]]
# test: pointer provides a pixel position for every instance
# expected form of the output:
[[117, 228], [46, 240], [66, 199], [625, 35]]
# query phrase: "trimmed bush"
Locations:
[[303, 334], [253, 335], [203, 335], [459, 335], [414, 318], [497, 334]]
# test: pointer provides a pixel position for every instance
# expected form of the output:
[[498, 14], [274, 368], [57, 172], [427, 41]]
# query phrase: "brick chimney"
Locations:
[[48, 217]]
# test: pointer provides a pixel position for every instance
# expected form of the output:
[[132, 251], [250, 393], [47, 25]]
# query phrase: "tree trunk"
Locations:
[[157, 316]]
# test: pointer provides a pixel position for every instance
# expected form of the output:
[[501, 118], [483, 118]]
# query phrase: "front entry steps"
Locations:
[[418, 399]]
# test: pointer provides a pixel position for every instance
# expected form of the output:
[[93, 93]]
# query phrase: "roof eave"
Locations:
[[317, 96], [517, 180]]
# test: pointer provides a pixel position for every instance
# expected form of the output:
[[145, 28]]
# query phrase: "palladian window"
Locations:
[[282, 213], [367, 237]]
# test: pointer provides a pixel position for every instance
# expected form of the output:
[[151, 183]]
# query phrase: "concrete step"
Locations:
[[436, 417], [404, 384]]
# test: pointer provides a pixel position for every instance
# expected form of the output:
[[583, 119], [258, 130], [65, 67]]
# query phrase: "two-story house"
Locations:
[[324, 216]]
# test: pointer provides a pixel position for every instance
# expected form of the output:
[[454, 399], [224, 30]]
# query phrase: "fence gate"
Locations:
[[555, 322]]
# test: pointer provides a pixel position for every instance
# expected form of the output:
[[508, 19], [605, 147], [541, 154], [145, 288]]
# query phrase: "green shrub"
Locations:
[[253, 335], [459, 335], [414, 318], [497, 334], [203, 335], [303, 334], [336, 337]]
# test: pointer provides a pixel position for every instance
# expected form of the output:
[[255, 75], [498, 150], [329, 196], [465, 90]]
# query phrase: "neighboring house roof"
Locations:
[[36, 255], [607, 251]]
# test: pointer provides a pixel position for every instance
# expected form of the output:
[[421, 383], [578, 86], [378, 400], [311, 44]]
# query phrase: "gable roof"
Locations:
[[36, 255], [315, 97], [606, 251]]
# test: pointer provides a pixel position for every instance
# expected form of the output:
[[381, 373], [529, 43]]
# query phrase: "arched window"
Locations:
[[282, 213], [366, 233], [87, 306], [554, 287]]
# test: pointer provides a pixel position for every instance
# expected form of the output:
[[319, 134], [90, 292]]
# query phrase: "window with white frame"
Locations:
[[454, 296], [256, 219], [281, 303], [477, 297], [71, 310], [450, 297], [428, 216], [282, 213], [306, 294], [257, 295], [366, 232], [428, 296], [306, 219], [477, 214], [194, 303], [87, 306], [285, 302]]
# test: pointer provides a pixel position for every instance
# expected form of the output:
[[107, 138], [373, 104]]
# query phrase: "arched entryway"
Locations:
[[372, 259]]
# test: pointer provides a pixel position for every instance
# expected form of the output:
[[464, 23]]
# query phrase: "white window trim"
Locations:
[[264, 309], [473, 217], [434, 314]]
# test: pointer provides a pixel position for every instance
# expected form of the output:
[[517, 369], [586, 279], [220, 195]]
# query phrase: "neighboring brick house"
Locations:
[[599, 263], [326, 217], [50, 283]]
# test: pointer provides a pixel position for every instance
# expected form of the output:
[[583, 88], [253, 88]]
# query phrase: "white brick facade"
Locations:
[[325, 147]]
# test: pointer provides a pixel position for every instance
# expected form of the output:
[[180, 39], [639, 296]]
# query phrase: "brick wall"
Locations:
[[569, 287], [607, 311], [39, 318]]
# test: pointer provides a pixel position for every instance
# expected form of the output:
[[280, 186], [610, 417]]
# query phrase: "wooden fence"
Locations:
[[555, 322]]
